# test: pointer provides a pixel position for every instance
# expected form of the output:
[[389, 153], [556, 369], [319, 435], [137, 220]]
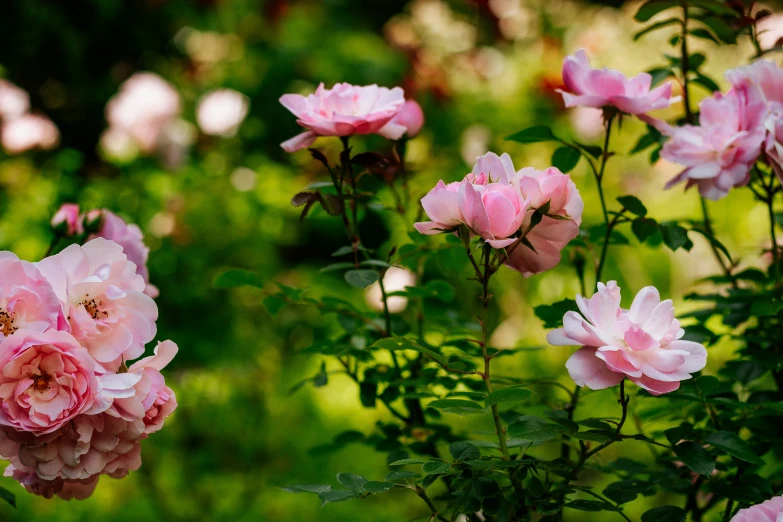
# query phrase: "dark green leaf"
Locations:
[[402, 343], [714, 6], [590, 505], [674, 236], [717, 244], [695, 457], [510, 393], [339, 495], [650, 138], [565, 159], [463, 451], [400, 475], [703, 34], [655, 27], [361, 278], [534, 134], [653, 7], [627, 490], [307, 488], [665, 514], [351, 481], [720, 28], [533, 429], [659, 74], [733, 445], [633, 204], [373, 486], [552, 315], [405, 462], [336, 266], [435, 467], [236, 277], [457, 406], [644, 228]]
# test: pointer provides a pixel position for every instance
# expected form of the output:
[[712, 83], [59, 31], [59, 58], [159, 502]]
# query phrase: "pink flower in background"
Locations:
[[643, 343], [27, 300], [719, 153], [344, 110], [768, 511], [28, 132], [130, 238], [47, 379], [104, 300], [141, 109], [68, 214], [410, 116], [14, 101], [588, 87], [221, 112]]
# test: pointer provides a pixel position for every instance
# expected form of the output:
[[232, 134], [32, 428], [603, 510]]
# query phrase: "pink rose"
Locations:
[[65, 489], [28, 132], [104, 300], [719, 153], [588, 87], [68, 214], [27, 300], [221, 112], [14, 101], [643, 343], [411, 117], [141, 392], [47, 379], [344, 110], [442, 206], [143, 107], [768, 511], [551, 235], [130, 238]]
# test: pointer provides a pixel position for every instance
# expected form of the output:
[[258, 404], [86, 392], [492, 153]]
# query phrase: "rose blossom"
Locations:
[[14, 101], [65, 489], [27, 300], [68, 214], [104, 300], [221, 112], [588, 87], [411, 117], [768, 511], [344, 110], [719, 152], [28, 132], [643, 343], [47, 379]]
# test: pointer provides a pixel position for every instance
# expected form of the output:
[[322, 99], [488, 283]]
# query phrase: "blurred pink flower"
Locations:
[[104, 300], [344, 110], [68, 214], [27, 300], [130, 238], [719, 153], [643, 343], [768, 511], [221, 112], [143, 106], [551, 235], [28, 132], [47, 379], [14, 101], [410, 116], [588, 87], [65, 489]]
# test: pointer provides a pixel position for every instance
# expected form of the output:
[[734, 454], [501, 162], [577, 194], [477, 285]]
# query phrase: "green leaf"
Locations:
[[510, 393], [361, 278], [695, 457], [650, 138], [402, 343], [717, 244], [464, 450], [674, 236], [339, 495], [405, 462], [352, 481], [633, 205], [235, 277], [373, 486], [655, 27], [665, 514], [399, 474], [703, 34], [565, 159], [595, 436], [644, 228], [696, 61], [733, 445], [273, 304], [533, 429], [336, 266], [435, 467], [457, 406], [627, 490], [591, 505], [552, 315], [716, 7], [659, 74], [722, 30], [534, 134], [307, 488], [653, 7]]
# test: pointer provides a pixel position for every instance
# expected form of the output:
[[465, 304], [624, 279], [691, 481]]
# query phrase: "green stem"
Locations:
[[770, 201], [422, 493], [728, 510], [348, 169]]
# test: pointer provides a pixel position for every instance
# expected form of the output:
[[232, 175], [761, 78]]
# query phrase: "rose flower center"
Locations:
[[41, 382], [92, 306], [7, 326]]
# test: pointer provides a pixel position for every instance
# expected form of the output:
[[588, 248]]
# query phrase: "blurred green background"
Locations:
[[481, 69]]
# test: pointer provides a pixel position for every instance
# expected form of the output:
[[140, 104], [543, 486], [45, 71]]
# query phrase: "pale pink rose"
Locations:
[[768, 511], [47, 379], [344, 110], [28, 132], [143, 106], [14, 101], [411, 117], [104, 300], [65, 489], [719, 153], [221, 112], [141, 392], [442, 206], [551, 235], [643, 343], [588, 87], [68, 214], [27, 300], [763, 80], [130, 238]]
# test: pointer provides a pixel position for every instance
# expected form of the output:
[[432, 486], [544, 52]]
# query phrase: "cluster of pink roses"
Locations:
[[497, 203], [70, 407], [20, 129]]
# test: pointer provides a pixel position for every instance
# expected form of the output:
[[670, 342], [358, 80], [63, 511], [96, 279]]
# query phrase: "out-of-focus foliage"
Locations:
[[481, 71]]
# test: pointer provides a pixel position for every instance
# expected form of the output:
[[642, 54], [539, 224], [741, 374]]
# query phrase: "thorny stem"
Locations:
[[348, 169], [422, 493], [599, 178]]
